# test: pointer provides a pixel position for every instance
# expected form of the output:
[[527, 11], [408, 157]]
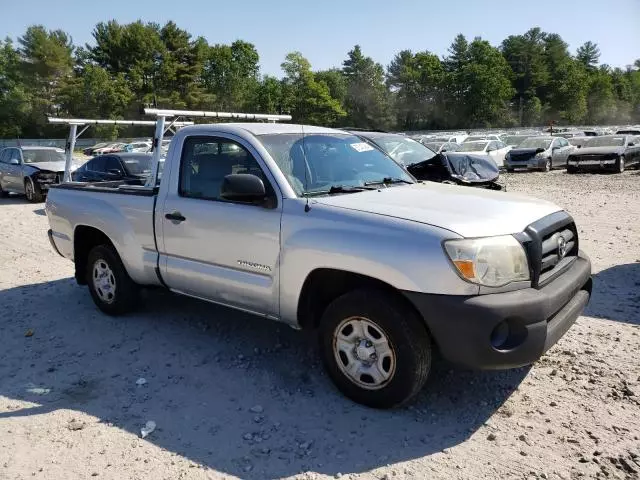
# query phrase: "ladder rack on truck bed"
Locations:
[[87, 122], [162, 115]]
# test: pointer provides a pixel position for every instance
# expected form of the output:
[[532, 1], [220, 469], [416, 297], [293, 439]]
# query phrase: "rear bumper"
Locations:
[[506, 330]]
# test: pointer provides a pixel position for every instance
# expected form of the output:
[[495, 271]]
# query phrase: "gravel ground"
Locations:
[[236, 396]]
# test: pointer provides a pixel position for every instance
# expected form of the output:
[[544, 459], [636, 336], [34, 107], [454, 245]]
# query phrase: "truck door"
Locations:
[[226, 252]]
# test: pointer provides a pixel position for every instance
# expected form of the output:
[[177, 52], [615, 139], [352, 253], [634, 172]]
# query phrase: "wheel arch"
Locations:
[[85, 238], [323, 285]]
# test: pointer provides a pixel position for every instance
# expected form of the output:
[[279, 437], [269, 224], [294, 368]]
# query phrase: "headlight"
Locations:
[[490, 261], [541, 155]]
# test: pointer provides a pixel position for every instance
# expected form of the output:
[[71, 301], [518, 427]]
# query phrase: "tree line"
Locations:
[[528, 80]]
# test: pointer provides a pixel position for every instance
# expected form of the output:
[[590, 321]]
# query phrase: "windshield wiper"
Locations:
[[338, 189], [387, 181]]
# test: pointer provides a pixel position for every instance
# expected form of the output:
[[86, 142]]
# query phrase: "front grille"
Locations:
[[523, 157], [552, 246]]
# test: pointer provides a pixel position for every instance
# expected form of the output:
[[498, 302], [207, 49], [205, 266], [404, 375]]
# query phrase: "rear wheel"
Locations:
[[620, 164], [32, 191], [375, 347], [110, 286]]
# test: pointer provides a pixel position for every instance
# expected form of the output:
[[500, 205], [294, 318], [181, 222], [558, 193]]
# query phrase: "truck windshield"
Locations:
[[317, 162]]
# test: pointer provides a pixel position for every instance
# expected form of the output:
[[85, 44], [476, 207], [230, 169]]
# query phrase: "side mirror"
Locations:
[[578, 146], [14, 161], [243, 187], [443, 150], [631, 144]]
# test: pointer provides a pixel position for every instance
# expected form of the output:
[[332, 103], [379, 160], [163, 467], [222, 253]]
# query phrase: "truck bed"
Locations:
[[124, 213]]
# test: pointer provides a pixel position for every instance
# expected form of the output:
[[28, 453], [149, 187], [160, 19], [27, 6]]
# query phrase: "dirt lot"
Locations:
[[236, 396]]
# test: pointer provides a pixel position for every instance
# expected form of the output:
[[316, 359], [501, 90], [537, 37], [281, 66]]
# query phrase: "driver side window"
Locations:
[[207, 160]]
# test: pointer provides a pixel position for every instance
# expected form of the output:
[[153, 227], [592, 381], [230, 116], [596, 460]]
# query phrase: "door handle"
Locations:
[[175, 217]]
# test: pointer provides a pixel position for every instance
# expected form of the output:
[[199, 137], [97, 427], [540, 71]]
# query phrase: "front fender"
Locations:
[[404, 254]]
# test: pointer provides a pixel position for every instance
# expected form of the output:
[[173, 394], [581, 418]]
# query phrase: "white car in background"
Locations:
[[477, 138], [492, 149]]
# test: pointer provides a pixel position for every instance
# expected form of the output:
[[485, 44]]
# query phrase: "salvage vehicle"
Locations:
[[539, 153], [424, 164], [609, 152], [318, 229], [458, 169], [130, 168], [493, 150], [30, 171]]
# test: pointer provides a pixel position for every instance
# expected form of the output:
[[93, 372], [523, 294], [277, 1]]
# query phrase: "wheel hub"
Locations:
[[104, 281], [364, 353]]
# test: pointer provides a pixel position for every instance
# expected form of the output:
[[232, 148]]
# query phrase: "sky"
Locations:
[[324, 31]]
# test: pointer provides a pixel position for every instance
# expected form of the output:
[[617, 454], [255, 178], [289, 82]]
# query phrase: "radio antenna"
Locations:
[[306, 175]]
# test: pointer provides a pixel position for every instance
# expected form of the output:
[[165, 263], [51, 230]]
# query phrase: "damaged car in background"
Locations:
[[30, 171], [610, 152], [425, 164], [539, 153]]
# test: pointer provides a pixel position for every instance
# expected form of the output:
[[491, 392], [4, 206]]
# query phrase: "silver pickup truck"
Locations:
[[317, 229]]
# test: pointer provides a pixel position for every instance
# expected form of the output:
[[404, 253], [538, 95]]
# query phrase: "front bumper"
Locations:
[[609, 163], [506, 330], [532, 163]]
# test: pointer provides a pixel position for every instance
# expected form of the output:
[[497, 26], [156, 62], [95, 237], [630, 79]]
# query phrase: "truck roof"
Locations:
[[259, 128]]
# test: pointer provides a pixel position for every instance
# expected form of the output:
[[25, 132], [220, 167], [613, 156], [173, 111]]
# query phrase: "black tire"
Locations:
[[32, 191], [408, 340], [571, 169], [3, 193], [547, 166], [121, 296], [510, 170], [620, 164]]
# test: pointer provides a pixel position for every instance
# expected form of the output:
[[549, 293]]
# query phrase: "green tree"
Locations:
[[588, 55], [367, 99], [307, 100], [231, 75], [525, 55], [417, 81], [15, 104], [269, 96], [46, 63], [488, 90]]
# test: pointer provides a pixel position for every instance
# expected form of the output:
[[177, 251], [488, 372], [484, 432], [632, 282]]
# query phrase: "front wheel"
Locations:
[[571, 169], [375, 347], [3, 193], [110, 286], [620, 165], [32, 191], [547, 165]]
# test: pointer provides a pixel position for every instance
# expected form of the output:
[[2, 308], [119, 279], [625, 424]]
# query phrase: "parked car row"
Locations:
[[115, 147]]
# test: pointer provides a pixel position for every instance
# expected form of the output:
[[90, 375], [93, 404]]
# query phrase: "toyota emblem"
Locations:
[[562, 247]]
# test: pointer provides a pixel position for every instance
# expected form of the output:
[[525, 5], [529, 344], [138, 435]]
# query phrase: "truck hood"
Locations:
[[599, 150], [468, 212], [47, 166]]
